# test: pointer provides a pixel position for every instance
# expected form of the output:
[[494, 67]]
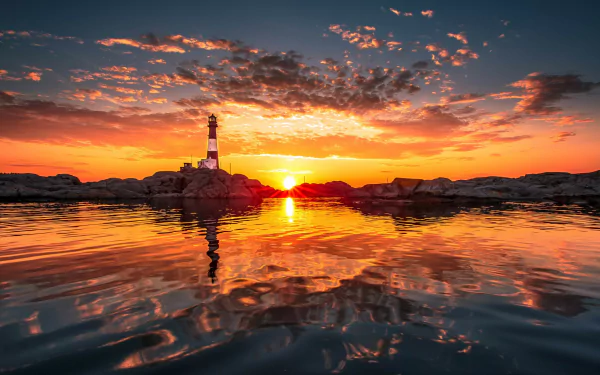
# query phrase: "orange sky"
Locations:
[[291, 156], [370, 111]]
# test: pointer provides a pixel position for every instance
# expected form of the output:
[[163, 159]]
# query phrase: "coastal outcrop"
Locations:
[[202, 183], [554, 186], [218, 184]]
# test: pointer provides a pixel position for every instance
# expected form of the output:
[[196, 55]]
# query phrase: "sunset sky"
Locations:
[[359, 91]]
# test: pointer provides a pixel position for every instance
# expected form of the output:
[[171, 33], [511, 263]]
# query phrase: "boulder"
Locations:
[[433, 187], [239, 190], [406, 186], [383, 191], [165, 183], [359, 193]]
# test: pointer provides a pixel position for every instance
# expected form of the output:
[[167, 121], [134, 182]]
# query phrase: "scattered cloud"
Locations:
[[144, 46], [427, 13], [157, 61], [463, 98], [461, 37], [34, 76], [562, 136], [12, 34], [542, 91], [362, 40], [120, 69], [177, 44]]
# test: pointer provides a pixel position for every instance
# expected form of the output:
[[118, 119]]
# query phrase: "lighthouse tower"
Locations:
[[212, 154]]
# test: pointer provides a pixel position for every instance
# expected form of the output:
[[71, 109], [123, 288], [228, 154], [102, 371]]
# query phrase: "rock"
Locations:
[[218, 184], [239, 190], [406, 186], [433, 187], [359, 193], [128, 188], [384, 191], [162, 183], [238, 177]]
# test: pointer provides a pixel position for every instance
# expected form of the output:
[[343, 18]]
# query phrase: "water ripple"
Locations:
[[298, 287]]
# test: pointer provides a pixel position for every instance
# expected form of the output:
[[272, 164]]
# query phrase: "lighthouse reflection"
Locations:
[[208, 216], [213, 246]]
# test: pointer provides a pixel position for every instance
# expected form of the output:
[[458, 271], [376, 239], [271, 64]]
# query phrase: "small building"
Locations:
[[187, 167]]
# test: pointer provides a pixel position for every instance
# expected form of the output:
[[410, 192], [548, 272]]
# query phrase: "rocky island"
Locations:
[[560, 187]]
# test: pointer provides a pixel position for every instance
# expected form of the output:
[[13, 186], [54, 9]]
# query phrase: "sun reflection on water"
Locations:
[[289, 209]]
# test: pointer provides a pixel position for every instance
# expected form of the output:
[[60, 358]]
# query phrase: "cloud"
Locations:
[[156, 100], [461, 37], [34, 76], [143, 46], [542, 91], [123, 90], [427, 13], [115, 73], [5, 77], [562, 136], [83, 95], [497, 137], [120, 69], [395, 11], [74, 125], [463, 98], [287, 83], [177, 44], [420, 65], [505, 95], [34, 68], [362, 41], [427, 122], [210, 44], [11, 34], [567, 120], [459, 58], [157, 61], [6, 98], [462, 56], [163, 133]]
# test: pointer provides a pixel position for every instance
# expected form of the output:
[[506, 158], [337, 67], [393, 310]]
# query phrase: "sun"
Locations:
[[289, 182]]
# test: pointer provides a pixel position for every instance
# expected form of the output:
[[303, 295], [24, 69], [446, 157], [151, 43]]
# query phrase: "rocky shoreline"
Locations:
[[583, 188]]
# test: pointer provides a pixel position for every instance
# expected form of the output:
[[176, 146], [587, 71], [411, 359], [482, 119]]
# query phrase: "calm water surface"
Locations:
[[298, 287]]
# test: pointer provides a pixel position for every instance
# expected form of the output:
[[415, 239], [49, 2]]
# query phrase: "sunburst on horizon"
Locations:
[[289, 182]]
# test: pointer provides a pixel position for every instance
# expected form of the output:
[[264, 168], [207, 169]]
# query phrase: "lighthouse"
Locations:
[[212, 154]]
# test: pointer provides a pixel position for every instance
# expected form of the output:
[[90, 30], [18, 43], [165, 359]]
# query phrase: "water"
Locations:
[[298, 287]]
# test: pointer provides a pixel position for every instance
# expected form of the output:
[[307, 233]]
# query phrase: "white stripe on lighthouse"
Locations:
[[212, 145]]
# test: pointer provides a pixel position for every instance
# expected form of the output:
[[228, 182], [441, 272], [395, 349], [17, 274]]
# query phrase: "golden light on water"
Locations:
[[289, 182], [289, 209]]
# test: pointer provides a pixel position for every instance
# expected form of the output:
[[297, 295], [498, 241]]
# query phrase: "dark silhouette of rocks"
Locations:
[[202, 183], [218, 184]]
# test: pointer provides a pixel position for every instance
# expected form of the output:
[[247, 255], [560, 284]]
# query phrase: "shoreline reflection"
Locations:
[[356, 287]]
